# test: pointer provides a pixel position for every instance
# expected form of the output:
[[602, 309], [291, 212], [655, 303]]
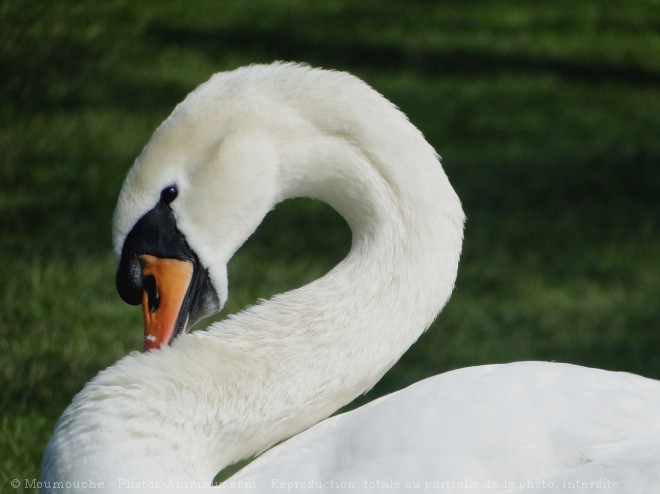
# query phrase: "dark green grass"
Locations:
[[547, 115]]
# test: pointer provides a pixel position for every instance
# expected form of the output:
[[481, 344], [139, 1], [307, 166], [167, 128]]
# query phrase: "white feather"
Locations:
[[235, 147]]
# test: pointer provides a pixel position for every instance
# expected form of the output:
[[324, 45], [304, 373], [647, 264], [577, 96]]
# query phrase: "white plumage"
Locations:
[[520, 427], [235, 147]]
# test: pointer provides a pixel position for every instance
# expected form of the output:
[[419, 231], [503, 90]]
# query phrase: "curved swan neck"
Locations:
[[314, 349], [274, 369]]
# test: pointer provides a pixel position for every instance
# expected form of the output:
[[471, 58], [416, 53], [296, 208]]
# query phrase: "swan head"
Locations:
[[201, 186]]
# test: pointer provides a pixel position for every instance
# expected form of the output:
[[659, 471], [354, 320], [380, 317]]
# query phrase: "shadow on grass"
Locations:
[[67, 77], [611, 185], [334, 50]]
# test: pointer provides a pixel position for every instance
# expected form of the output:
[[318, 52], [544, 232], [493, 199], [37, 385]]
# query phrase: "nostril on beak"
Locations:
[[151, 288]]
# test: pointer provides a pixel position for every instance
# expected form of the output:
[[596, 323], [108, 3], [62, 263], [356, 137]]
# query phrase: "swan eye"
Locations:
[[168, 194]]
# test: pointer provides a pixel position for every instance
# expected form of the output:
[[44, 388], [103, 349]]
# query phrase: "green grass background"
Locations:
[[546, 114]]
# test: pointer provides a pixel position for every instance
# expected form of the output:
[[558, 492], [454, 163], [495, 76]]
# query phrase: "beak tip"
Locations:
[[150, 343]]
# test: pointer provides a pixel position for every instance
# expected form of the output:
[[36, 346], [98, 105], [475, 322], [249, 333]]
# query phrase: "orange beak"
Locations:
[[166, 283]]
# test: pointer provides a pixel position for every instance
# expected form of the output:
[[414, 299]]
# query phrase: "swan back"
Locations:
[[520, 427]]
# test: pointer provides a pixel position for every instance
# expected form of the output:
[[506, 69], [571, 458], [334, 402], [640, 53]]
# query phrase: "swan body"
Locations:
[[234, 148], [520, 427]]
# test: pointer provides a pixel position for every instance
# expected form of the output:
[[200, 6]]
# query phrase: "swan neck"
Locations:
[[316, 348]]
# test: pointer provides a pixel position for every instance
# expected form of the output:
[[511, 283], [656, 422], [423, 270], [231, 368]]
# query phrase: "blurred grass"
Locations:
[[546, 114]]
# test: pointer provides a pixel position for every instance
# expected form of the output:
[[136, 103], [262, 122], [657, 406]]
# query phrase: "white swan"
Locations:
[[233, 149]]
